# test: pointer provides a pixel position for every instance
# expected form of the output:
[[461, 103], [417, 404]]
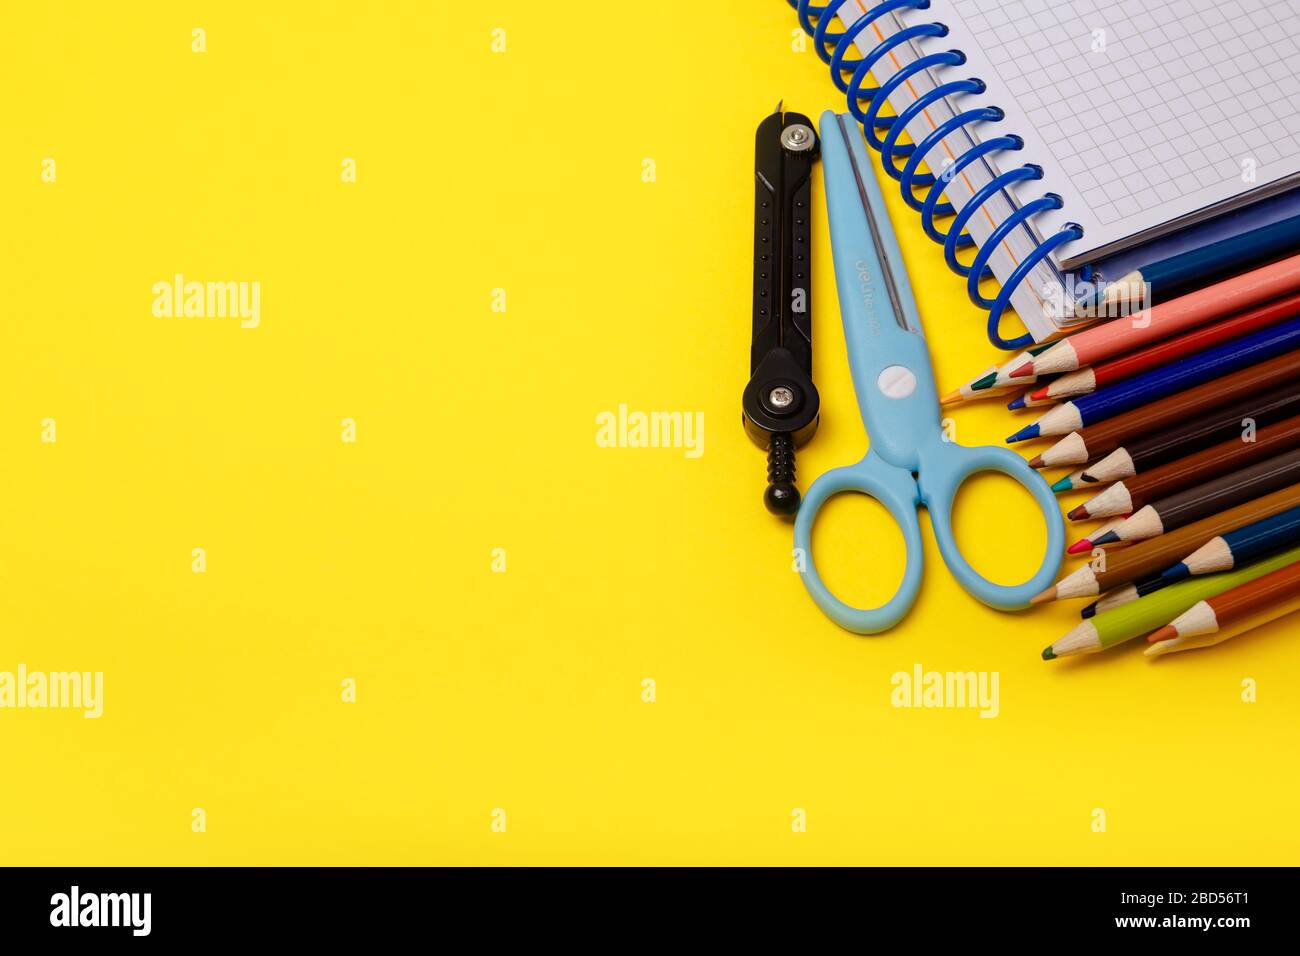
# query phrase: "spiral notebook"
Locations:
[[1143, 117]]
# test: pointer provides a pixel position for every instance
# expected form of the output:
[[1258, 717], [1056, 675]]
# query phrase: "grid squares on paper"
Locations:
[[1145, 101]]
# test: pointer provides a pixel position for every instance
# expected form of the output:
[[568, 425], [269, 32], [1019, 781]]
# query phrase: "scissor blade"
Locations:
[[849, 130]]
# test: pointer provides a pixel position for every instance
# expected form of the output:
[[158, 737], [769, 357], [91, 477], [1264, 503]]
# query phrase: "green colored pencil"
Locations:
[[1002, 376], [1148, 613]]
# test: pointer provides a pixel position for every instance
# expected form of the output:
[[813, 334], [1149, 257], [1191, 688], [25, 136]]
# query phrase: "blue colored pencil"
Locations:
[[1209, 263], [1236, 548], [1159, 383]]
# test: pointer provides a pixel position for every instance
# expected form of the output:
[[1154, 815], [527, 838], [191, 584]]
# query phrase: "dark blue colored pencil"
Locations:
[[1159, 383], [1237, 548], [1209, 263]]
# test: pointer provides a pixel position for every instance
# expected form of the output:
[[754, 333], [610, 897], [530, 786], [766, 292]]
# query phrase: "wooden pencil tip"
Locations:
[[1081, 546], [1164, 647], [1166, 633], [1079, 514], [1044, 597], [1024, 370], [952, 398], [1037, 462]]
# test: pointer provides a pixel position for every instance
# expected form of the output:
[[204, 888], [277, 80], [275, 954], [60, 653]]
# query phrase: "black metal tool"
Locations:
[[780, 403]]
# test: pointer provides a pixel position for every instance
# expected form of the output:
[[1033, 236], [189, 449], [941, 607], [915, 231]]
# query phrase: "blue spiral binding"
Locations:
[[850, 75]]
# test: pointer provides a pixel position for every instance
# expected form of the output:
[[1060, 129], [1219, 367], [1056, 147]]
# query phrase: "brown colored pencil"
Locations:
[[1206, 499], [1095, 441], [1154, 555], [1140, 455], [1236, 453]]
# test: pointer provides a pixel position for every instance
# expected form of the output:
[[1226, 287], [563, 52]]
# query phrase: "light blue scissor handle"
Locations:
[[898, 492], [910, 464], [944, 466]]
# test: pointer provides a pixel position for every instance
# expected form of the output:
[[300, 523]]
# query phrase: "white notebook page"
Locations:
[[1033, 300], [1140, 113]]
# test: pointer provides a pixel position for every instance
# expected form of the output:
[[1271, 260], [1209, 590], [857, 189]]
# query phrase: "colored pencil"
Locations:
[[1149, 557], [1253, 621], [966, 392], [1236, 548], [996, 379], [1125, 593], [1167, 319], [1072, 481], [1201, 501], [1099, 440], [1221, 425], [1099, 531], [1024, 401], [1141, 390], [1148, 613], [1134, 491], [1001, 377], [1208, 263], [1088, 380], [1225, 608]]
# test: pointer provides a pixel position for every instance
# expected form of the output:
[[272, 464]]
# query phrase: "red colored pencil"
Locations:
[[1088, 380]]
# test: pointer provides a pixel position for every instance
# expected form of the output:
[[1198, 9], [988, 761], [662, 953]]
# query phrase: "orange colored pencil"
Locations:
[[1222, 610]]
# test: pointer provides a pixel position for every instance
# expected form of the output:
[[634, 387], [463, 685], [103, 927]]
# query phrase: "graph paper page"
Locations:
[[1139, 113]]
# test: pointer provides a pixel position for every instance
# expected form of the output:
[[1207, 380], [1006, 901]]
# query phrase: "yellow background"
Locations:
[[327, 560]]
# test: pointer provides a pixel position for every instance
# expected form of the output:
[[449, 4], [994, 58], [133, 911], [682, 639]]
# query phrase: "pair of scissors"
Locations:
[[910, 462]]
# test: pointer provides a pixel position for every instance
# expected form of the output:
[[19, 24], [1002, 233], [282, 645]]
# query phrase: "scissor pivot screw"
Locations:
[[798, 138], [897, 381], [780, 397]]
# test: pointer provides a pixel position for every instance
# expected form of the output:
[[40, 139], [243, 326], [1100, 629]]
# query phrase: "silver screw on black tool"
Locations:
[[797, 138], [780, 397]]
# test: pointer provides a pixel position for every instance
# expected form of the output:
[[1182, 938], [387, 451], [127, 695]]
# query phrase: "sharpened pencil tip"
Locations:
[[1044, 596], [1023, 371], [1049, 654], [952, 398], [1078, 514], [1088, 478], [1166, 633], [1037, 462], [1110, 537], [1064, 484], [1176, 573], [1079, 547], [1016, 403], [1089, 611], [1025, 434]]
